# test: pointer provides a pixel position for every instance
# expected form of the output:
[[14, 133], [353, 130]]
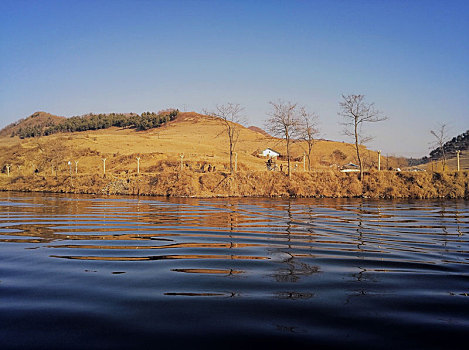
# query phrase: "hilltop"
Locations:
[[259, 130], [36, 121]]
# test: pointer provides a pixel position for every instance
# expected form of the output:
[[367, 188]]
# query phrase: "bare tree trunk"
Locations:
[[288, 153], [231, 116], [356, 112], [441, 138], [358, 151], [310, 148], [231, 157], [444, 158]]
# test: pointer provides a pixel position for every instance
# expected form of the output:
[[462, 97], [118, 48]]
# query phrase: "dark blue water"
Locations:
[[84, 272]]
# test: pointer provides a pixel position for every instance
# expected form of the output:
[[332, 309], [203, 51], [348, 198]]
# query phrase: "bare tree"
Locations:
[[283, 122], [356, 112], [308, 131], [231, 114], [441, 137]]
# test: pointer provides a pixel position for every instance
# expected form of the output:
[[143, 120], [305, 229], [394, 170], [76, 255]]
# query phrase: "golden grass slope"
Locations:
[[200, 140], [174, 161]]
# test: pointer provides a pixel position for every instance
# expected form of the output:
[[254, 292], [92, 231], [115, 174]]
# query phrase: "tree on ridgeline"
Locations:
[[284, 122], [308, 131], [357, 112], [232, 117], [145, 121], [441, 137]]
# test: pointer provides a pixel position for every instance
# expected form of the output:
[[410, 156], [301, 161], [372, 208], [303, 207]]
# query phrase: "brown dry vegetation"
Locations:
[[385, 184], [41, 164]]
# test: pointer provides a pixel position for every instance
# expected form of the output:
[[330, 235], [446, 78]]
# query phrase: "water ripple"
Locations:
[[310, 270]]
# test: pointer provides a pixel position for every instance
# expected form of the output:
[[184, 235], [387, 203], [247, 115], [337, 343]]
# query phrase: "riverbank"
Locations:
[[384, 184]]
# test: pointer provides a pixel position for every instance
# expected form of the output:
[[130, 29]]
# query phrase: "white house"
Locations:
[[349, 168], [269, 152]]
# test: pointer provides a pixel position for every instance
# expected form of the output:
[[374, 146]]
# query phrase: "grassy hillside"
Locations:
[[174, 161], [199, 139]]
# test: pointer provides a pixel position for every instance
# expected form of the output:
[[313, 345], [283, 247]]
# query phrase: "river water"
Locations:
[[90, 272]]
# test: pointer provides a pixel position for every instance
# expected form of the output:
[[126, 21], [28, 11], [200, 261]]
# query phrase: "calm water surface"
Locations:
[[85, 272]]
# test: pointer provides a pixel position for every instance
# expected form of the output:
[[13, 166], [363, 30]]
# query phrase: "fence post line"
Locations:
[[70, 168], [379, 160]]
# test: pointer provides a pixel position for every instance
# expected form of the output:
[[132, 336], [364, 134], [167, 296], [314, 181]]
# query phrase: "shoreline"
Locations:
[[255, 184]]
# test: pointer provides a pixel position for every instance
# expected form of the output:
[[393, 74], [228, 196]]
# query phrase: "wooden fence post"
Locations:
[[379, 160]]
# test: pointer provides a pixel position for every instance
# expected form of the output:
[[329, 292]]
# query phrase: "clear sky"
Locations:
[[411, 58]]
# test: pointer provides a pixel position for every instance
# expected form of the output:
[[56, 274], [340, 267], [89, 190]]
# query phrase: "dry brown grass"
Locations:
[[41, 164], [384, 184], [201, 139]]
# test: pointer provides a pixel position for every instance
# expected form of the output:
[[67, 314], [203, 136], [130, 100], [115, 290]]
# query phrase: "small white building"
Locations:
[[269, 152], [349, 168]]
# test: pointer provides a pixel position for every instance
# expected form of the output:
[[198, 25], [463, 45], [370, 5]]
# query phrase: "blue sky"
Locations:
[[411, 58]]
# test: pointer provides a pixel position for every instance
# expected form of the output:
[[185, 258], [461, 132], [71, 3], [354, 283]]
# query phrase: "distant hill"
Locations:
[[460, 142], [44, 124], [259, 130], [457, 143], [36, 121]]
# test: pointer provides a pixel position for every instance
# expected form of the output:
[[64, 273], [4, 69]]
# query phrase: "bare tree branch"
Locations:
[[283, 122], [231, 115], [308, 131], [356, 112], [441, 136]]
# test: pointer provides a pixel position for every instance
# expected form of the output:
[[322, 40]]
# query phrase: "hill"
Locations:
[[457, 143], [259, 130], [199, 139], [450, 148], [36, 121], [188, 156], [42, 124]]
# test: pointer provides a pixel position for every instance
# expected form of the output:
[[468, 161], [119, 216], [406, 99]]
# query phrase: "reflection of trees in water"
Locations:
[[292, 269], [360, 228], [457, 220], [442, 222], [361, 277], [294, 295]]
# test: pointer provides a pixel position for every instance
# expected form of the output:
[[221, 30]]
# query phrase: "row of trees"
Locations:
[[292, 122], [145, 121]]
